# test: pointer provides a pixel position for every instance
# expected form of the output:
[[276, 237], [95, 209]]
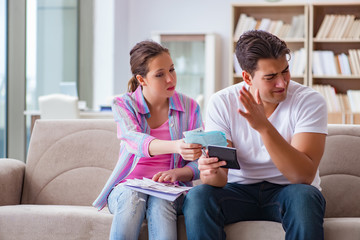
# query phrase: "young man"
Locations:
[[278, 128]]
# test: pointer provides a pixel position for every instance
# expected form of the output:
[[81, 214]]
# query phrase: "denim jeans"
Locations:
[[299, 207], [131, 207]]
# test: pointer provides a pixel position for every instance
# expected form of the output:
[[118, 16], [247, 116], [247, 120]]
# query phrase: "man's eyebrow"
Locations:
[[274, 74], [270, 75], [287, 67]]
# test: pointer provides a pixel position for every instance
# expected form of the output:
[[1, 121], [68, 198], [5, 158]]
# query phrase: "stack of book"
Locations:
[[335, 26], [297, 62], [326, 63], [339, 103], [277, 27]]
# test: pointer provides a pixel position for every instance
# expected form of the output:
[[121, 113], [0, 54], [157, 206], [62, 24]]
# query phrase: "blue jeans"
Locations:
[[130, 208], [299, 207]]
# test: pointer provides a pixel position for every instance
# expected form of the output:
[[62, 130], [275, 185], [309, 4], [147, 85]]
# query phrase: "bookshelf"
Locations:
[[336, 44], [335, 30], [293, 29]]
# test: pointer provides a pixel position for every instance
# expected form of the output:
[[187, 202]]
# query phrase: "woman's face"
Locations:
[[160, 81]]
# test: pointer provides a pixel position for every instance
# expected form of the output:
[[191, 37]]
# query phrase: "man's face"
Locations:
[[272, 78]]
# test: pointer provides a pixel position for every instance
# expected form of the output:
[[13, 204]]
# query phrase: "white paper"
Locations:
[[162, 190]]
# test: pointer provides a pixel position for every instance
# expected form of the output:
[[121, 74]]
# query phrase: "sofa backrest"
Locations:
[[69, 161], [340, 171]]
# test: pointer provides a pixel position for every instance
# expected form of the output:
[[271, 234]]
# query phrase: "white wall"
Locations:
[[144, 16], [103, 71]]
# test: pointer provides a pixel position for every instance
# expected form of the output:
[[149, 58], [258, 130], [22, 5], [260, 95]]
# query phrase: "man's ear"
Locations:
[[141, 80], [247, 77]]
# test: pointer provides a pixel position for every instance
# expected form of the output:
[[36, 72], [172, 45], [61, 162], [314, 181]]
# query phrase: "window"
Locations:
[[51, 50], [3, 78]]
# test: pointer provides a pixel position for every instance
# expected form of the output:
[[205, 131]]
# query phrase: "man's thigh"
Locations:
[[292, 199], [240, 202]]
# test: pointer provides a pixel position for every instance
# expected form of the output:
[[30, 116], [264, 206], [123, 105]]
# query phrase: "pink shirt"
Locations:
[[148, 166]]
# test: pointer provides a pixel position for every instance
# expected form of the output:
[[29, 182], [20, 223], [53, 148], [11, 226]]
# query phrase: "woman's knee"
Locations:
[[158, 207], [126, 200]]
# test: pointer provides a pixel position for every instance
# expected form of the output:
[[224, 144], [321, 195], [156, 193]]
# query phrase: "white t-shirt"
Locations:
[[303, 110]]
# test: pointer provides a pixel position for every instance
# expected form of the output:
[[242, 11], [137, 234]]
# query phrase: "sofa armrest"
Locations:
[[11, 181]]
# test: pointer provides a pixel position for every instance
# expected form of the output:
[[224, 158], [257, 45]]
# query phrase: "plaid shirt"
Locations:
[[130, 113]]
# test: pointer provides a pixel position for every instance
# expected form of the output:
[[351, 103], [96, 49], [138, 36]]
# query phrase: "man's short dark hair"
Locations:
[[257, 44]]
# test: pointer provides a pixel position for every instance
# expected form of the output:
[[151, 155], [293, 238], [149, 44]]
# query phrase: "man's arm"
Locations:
[[297, 161]]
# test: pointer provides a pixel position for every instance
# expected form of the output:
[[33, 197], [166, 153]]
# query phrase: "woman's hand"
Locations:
[[183, 174], [166, 176], [188, 151]]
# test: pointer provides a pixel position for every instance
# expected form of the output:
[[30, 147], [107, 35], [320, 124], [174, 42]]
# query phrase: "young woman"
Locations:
[[151, 119]]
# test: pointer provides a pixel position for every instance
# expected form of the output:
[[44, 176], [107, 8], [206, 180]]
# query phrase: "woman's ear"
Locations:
[[247, 77], [141, 80]]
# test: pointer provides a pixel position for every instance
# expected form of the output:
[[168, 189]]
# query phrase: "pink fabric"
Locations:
[[148, 166]]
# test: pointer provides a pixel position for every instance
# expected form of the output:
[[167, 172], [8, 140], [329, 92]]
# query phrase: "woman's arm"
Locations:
[[130, 127], [188, 151]]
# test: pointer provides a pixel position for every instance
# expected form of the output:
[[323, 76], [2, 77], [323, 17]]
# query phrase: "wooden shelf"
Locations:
[[314, 15], [274, 12]]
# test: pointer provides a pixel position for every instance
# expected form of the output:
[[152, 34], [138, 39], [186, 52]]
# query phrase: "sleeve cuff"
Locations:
[[146, 146], [194, 168]]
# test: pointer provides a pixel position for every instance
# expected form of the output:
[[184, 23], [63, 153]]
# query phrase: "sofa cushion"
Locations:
[[43, 222], [340, 173], [342, 228], [255, 230], [69, 161], [11, 181]]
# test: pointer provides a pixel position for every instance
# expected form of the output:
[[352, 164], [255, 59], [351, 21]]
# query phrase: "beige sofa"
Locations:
[[69, 161]]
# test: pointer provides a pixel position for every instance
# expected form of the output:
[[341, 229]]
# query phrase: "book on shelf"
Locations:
[[325, 26], [347, 25], [337, 102], [297, 27], [339, 26], [316, 64], [277, 27], [337, 63], [240, 26], [264, 24], [344, 103], [237, 67], [325, 63], [354, 100], [297, 62], [329, 94], [354, 61], [327, 57], [244, 24], [344, 64], [335, 29]]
